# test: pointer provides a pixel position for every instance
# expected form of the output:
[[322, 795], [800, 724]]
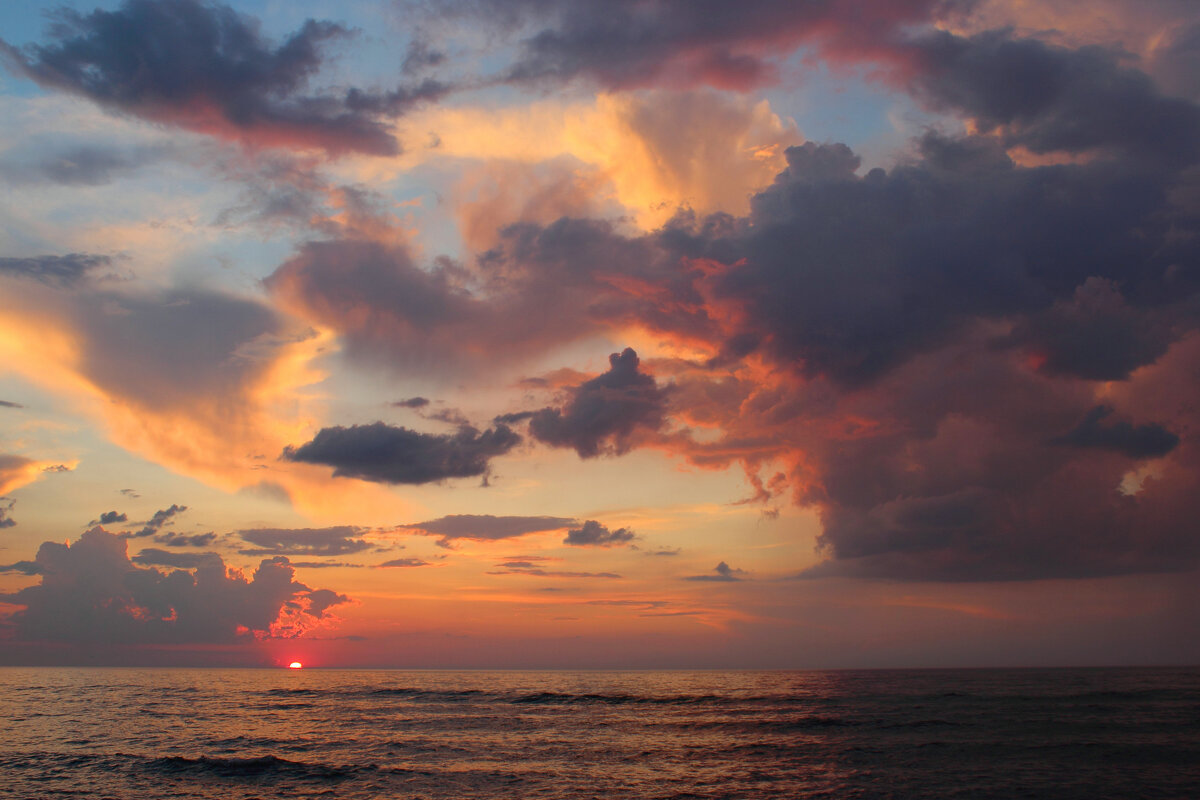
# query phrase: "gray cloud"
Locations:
[[10, 404], [403, 562], [387, 454], [604, 415], [112, 517], [722, 572], [165, 558], [6, 506], [205, 67], [161, 517], [593, 534], [1134, 441], [54, 270], [485, 527], [172, 539], [335, 541]]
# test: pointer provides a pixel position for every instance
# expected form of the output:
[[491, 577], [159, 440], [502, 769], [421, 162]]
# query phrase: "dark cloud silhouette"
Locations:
[[722, 572], [161, 517], [10, 404], [387, 454], [485, 527], [6, 506], [1134, 441], [152, 556], [22, 567], [604, 415], [335, 541], [593, 534], [54, 270], [205, 67], [112, 517], [90, 591], [172, 539], [412, 402]]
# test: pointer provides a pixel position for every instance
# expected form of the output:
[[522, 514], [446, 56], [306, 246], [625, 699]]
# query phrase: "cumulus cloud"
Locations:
[[112, 517], [335, 541], [605, 415], [593, 534], [485, 527], [389, 454], [90, 591], [206, 68]]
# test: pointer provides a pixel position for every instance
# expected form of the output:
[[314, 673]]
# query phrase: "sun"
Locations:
[[295, 665]]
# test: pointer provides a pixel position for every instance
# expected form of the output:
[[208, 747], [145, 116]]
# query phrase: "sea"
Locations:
[[220, 734]]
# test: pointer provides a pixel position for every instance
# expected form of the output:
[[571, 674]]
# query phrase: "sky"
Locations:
[[600, 334]]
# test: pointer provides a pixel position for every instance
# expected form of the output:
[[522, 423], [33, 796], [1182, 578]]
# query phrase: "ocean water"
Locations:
[[174, 733]]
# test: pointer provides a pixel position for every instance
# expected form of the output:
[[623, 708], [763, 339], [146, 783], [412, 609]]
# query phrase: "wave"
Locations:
[[252, 767]]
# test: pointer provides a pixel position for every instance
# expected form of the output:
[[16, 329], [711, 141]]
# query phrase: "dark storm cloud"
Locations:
[[336, 541], [60, 271], [485, 527], [90, 592], [172, 539], [1052, 99], [205, 67], [111, 517], [161, 517], [387, 454], [606, 414], [1134, 441], [722, 573], [593, 534]]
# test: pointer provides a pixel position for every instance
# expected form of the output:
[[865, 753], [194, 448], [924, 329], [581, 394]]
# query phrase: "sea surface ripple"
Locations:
[[225, 734]]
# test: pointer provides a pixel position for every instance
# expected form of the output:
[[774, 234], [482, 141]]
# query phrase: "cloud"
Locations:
[[412, 402], [17, 471], [10, 404], [1140, 441], [593, 534], [485, 527], [676, 43], [90, 592], [152, 556], [54, 270], [6, 507], [335, 541], [722, 572], [172, 539], [606, 415], [388, 454], [79, 166], [403, 562], [161, 517], [111, 517], [206, 68]]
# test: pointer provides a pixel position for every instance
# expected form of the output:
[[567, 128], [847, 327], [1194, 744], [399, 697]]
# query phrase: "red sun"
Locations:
[[295, 665]]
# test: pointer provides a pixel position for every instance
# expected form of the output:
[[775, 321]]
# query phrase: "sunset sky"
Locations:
[[604, 333]]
